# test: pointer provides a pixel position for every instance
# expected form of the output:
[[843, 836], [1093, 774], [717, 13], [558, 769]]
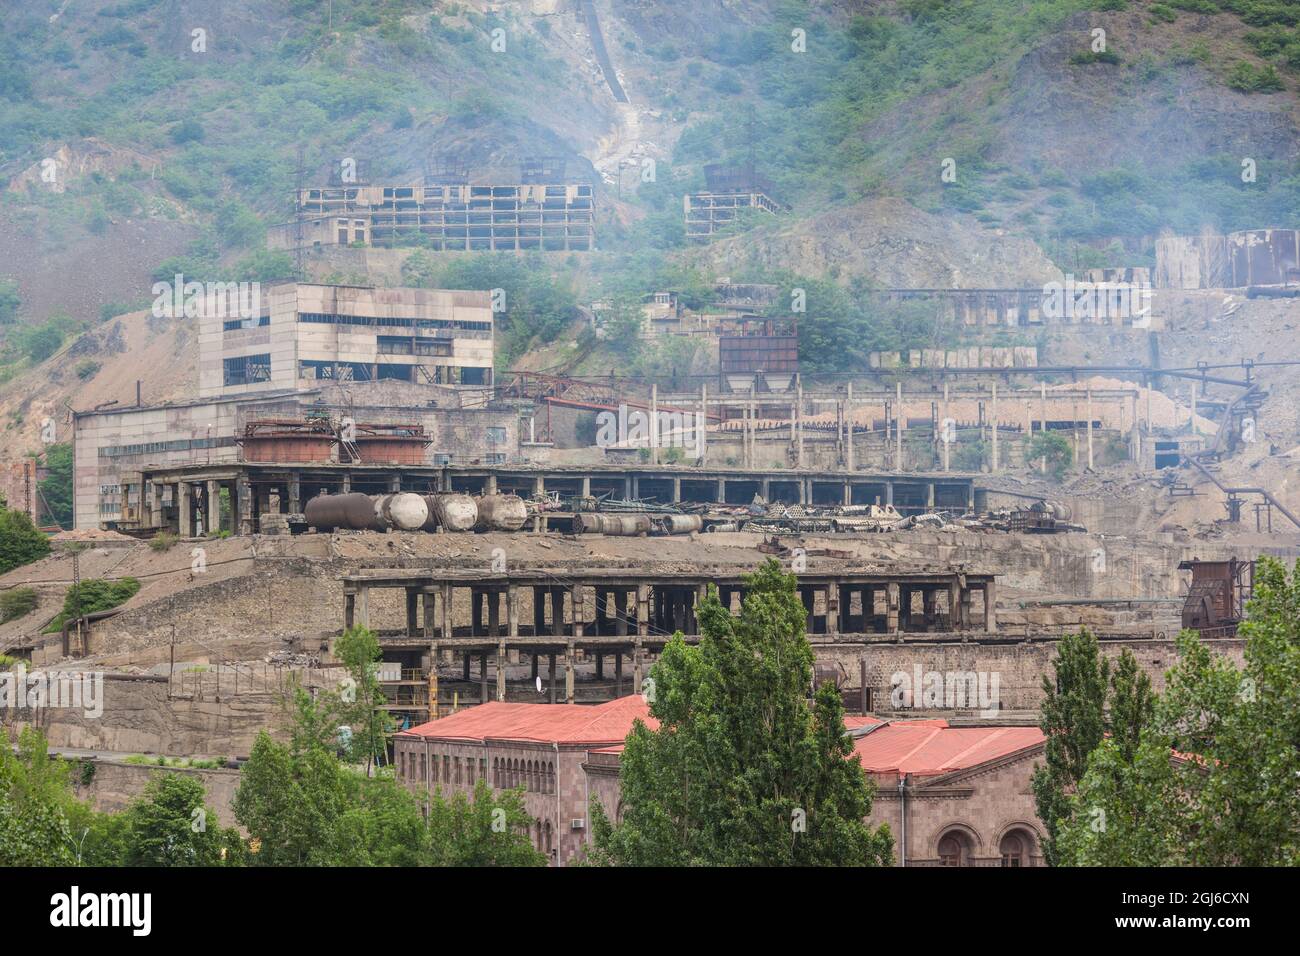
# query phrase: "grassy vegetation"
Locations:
[[16, 603], [183, 763], [91, 596]]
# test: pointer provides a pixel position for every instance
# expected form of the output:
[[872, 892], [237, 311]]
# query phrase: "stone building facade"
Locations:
[[964, 800], [540, 747]]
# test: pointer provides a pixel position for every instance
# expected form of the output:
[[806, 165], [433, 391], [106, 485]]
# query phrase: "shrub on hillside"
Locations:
[[92, 595], [16, 603], [20, 542]]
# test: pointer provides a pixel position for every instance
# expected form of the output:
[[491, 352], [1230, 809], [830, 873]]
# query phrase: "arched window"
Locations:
[[550, 777], [954, 849], [1015, 848], [547, 840]]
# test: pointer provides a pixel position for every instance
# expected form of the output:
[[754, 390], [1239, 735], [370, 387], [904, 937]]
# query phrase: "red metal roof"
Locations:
[[582, 724], [930, 747]]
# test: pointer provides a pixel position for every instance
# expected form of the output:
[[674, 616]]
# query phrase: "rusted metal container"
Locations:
[[501, 513], [286, 440], [390, 444], [355, 512]]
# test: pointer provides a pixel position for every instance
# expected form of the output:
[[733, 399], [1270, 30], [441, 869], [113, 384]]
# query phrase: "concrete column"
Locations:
[[212, 510], [346, 485], [702, 424], [722, 490], [899, 418], [929, 495], [482, 678], [363, 606], [557, 611], [539, 485], [889, 492], [490, 485], [494, 613], [848, 493], [551, 675], [430, 597], [568, 674], [990, 607], [244, 504], [947, 445], [654, 424], [994, 465], [627, 487], [448, 619], [642, 632], [1089, 408], [677, 490], [155, 505], [412, 611], [848, 416], [539, 611], [512, 611], [833, 608], [501, 669], [892, 611], [183, 510], [349, 610], [799, 418], [295, 494], [586, 487]]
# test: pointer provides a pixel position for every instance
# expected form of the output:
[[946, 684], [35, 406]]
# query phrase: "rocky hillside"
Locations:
[[917, 142]]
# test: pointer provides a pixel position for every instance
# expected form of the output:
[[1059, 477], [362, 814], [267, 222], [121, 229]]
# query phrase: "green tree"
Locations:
[[741, 771], [302, 806], [56, 486], [20, 542], [358, 650], [1213, 779], [490, 830], [171, 826], [9, 301], [1073, 718], [35, 794], [1053, 449]]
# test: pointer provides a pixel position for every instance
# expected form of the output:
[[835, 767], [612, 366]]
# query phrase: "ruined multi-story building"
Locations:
[[307, 333], [729, 191], [540, 209], [418, 358]]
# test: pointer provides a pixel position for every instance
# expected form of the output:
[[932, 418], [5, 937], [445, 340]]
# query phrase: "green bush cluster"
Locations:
[[91, 596]]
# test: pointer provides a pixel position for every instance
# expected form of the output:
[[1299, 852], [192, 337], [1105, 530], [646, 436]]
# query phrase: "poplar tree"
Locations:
[[741, 770]]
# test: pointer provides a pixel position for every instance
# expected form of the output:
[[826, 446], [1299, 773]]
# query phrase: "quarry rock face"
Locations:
[[894, 245]]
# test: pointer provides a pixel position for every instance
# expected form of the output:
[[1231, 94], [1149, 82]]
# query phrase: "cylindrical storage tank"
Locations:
[[501, 513], [354, 511], [456, 512], [682, 524], [403, 511]]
